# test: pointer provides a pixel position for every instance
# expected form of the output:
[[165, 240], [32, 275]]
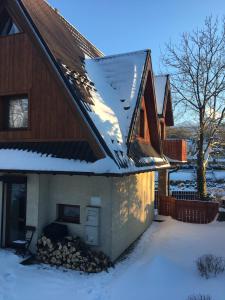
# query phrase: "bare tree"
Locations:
[[197, 65]]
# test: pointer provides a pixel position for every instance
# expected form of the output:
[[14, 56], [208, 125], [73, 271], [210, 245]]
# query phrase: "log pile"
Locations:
[[71, 253]]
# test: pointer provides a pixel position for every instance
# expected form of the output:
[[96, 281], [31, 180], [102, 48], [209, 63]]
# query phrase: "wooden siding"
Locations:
[[152, 117], [175, 149], [162, 129], [169, 110], [23, 70], [199, 212], [146, 139], [151, 122]]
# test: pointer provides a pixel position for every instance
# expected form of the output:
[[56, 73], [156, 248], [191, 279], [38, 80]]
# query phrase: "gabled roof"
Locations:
[[66, 44], [124, 74], [117, 81], [163, 98], [160, 90], [106, 90]]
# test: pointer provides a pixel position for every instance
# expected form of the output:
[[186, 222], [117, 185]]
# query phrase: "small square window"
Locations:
[[16, 112], [7, 25], [69, 213]]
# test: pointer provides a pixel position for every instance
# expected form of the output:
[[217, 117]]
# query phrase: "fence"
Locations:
[[186, 195], [188, 210], [180, 195]]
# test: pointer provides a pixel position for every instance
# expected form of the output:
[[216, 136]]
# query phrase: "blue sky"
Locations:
[[117, 26]]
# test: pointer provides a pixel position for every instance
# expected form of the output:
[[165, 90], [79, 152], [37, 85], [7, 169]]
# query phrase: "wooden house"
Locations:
[[175, 150], [80, 134]]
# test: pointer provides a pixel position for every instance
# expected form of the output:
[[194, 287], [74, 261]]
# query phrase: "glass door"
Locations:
[[16, 196]]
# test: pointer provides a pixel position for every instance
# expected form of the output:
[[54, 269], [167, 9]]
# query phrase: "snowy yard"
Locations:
[[162, 267]]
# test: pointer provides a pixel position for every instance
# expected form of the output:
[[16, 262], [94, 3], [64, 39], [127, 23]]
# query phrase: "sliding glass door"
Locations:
[[16, 197]]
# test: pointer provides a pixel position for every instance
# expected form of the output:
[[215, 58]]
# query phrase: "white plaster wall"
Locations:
[[44, 192], [44, 210], [132, 209], [78, 190], [127, 206], [38, 205], [33, 192]]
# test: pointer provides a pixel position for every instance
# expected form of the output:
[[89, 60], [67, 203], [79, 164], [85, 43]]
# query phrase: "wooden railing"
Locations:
[[185, 195], [189, 211], [179, 195], [175, 149]]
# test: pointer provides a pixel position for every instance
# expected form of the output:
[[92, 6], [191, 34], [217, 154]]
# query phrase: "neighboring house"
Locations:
[[79, 132], [164, 103], [175, 150]]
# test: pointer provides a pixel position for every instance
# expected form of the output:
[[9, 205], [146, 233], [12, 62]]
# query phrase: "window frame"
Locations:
[[65, 219], [6, 112], [13, 22]]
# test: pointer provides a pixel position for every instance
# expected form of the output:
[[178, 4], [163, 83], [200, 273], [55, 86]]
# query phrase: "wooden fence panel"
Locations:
[[198, 212]]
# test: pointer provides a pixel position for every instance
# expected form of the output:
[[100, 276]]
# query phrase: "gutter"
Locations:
[[65, 82]]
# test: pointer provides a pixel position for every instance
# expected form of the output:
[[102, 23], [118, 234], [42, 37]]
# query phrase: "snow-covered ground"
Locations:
[[162, 267]]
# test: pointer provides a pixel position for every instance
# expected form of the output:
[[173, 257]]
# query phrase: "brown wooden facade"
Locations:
[[175, 149], [151, 108], [24, 71]]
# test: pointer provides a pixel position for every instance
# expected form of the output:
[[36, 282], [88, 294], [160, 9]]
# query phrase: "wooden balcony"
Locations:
[[175, 150]]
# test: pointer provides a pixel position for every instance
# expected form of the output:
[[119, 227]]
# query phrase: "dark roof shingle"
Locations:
[[66, 44], [78, 150]]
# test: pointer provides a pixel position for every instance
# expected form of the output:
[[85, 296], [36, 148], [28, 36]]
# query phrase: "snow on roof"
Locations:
[[21, 160], [160, 88], [117, 81], [124, 74]]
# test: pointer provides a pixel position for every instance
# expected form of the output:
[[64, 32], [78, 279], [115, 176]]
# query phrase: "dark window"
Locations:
[[69, 213], [142, 124], [16, 112], [7, 25]]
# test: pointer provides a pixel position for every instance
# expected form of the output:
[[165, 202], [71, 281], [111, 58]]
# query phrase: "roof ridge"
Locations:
[[73, 28], [121, 54]]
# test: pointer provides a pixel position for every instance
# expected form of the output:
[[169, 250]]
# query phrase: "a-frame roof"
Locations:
[[163, 98], [160, 89], [105, 89], [118, 81]]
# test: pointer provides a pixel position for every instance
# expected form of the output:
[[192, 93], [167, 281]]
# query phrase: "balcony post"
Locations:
[[163, 182]]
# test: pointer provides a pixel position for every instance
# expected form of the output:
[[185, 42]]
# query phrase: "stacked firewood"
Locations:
[[71, 253]]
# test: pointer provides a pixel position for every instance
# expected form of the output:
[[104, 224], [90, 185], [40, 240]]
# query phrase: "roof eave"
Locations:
[[79, 173]]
